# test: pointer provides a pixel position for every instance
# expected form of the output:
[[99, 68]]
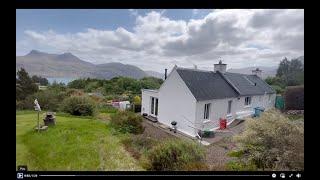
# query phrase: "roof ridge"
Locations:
[[229, 82], [192, 69]]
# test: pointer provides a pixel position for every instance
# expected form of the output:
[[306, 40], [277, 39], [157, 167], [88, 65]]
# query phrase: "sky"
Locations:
[[155, 39]]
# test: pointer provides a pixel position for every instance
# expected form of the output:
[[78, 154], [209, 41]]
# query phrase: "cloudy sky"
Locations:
[[158, 39]]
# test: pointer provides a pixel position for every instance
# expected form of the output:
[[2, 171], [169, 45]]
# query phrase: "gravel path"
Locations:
[[155, 132]]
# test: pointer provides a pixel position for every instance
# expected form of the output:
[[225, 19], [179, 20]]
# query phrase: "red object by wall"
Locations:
[[223, 123]]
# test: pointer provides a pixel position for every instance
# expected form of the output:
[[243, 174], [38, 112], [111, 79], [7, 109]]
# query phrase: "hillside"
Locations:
[[68, 65], [54, 65], [155, 74]]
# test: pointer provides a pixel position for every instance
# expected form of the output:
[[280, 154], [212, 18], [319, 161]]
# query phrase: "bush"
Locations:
[[48, 99], [240, 166], [137, 100], [74, 92], [79, 106], [175, 155], [127, 122], [107, 109], [294, 98], [278, 89], [138, 145], [272, 142]]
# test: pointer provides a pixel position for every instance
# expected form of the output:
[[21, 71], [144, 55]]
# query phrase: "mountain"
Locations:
[[68, 65], [266, 71], [54, 65], [155, 74], [111, 70]]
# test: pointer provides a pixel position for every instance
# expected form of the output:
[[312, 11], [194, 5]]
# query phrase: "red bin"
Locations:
[[223, 123]]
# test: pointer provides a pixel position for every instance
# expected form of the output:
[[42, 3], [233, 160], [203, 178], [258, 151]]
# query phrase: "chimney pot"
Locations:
[[257, 72]]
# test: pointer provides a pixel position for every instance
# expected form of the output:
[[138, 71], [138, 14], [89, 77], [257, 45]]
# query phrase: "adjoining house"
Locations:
[[197, 99]]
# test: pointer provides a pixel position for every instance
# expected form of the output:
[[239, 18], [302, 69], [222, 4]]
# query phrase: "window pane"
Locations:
[[156, 110], [152, 105], [206, 111], [229, 107]]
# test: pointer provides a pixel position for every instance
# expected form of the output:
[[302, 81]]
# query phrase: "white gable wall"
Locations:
[[176, 103]]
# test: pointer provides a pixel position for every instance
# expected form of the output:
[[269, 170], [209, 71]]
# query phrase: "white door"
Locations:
[[154, 106]]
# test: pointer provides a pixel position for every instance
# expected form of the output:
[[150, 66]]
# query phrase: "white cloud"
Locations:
[[240, 37]]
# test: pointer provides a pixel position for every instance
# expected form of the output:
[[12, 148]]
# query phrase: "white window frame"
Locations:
[[247, 100], [206, 112]]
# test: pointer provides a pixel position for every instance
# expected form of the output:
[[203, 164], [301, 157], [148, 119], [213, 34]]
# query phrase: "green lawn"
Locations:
[[73, 144]]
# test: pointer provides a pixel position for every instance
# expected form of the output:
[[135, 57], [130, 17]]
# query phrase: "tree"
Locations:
[[283, 68], [137, 100], [77, 84], [24, 85], [291, 72], [38, 79]]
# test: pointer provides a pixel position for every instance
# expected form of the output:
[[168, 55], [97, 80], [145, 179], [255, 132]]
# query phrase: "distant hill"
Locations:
[[69, 66], [155, 74], [54, 65], [111, 70], [266, 71]]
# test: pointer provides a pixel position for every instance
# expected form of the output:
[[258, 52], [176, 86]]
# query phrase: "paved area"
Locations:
[[234, 128], [156, 129], [216, 150]]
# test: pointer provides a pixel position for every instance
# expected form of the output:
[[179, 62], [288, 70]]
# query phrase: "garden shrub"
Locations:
[[294, 98], [175, 155], [138, 145], [271, 142], [107, 109], [49, 100], [79, 106], [240, 166], [74, 92], [127, 122]]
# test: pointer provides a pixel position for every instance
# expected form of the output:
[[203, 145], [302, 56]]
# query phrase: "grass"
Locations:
[[75, 143]]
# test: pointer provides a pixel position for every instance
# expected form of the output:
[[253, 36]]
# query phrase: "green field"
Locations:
[[81, 144]]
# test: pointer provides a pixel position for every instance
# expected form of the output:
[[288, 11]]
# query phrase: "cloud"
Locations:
[[239, 37]]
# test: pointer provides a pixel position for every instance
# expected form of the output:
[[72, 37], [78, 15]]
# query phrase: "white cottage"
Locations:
[[197, 99]]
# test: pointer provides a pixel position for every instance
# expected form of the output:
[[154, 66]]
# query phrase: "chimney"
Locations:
[[220, 67], [257, 72], [165, 74], [195, 66]]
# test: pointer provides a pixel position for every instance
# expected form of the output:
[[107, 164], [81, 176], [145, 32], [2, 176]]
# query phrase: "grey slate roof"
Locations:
[[206, 85], [249, 84]]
